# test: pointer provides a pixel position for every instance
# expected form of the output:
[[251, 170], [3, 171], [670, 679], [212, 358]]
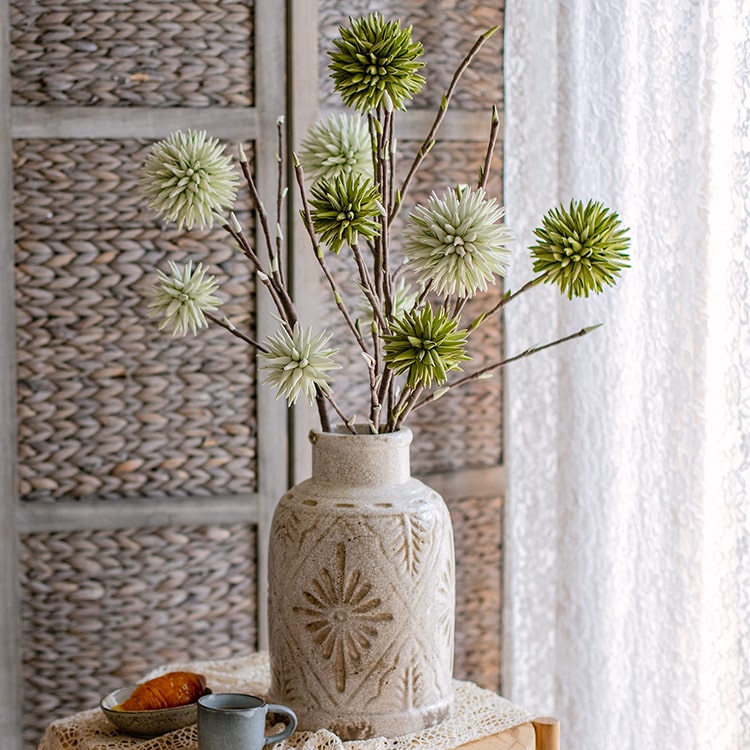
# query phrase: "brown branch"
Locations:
[[307, 220], [497, 365], [229, 326], [504, 301], [484, 170], [429, 141], [406, 409], [278, 292], [367, 288]]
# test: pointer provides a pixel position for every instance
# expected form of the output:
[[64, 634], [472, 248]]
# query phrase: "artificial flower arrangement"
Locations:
[[413, 335]]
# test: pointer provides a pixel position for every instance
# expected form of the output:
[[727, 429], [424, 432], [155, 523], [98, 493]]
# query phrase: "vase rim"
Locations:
[[403, 435]]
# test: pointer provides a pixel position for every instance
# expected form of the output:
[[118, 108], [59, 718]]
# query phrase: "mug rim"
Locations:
[[258, 702]]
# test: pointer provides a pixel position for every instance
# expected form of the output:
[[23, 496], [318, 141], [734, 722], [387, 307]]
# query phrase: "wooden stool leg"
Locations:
[[547, 733]]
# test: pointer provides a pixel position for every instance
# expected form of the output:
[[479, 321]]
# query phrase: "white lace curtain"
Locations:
[[628, 591]]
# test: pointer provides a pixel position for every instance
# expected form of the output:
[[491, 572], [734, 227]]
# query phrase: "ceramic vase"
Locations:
[[362, 592]]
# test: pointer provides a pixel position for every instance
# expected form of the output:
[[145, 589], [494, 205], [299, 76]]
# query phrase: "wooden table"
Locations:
[[541, 734], [521, 737]]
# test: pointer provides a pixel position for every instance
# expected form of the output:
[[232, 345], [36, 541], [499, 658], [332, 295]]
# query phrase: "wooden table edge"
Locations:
[[520, 737]]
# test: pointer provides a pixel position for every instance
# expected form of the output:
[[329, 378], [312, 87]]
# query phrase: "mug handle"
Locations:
[[290, 727]]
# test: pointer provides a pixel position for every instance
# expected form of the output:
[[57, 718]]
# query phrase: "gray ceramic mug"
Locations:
[[235, 721]]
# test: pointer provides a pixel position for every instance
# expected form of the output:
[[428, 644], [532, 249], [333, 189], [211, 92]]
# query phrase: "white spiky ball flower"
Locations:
[[298, 363], [183, 297], [340, 144], [187, 177], [458, 241]]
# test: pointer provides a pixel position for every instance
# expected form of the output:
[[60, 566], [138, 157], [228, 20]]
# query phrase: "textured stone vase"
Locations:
[[362, 592]]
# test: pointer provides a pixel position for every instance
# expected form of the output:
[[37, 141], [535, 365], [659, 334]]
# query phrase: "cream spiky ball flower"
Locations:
[[187, 177], [298, 363], [458, 242], [426, 345], [580, 249], [344, 208], [183, 297], [340, 144], [375, 63]]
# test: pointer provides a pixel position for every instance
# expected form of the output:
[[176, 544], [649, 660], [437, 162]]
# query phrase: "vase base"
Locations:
[[350, 726]]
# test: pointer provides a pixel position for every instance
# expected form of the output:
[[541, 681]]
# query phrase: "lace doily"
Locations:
[[478, 713]]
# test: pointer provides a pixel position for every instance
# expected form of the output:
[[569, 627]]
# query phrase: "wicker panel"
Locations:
[[151, 53], [447, 30], [108, 405], [477, 525], [100, 608]]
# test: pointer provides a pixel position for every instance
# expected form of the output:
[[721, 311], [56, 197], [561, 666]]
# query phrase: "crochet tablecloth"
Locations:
[[478, 713]]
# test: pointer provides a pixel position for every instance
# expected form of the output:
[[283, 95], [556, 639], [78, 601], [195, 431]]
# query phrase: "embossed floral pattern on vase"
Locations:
[[342, 616]]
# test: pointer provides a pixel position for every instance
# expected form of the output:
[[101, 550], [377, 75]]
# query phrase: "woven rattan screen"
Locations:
[[112, 414], [150, 53], [464, 430], [109, 406], [100, 608]]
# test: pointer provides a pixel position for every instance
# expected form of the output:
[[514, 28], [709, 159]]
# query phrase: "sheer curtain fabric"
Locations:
[[628, 564]]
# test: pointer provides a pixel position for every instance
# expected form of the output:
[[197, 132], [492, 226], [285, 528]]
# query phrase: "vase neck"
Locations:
[[359, 460]]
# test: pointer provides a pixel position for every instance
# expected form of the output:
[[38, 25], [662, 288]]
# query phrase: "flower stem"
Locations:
[[484, 170], [429, 141], [229, 326], [497, 365], [307, 219], [277, 290], [260, 209], [504, 301]]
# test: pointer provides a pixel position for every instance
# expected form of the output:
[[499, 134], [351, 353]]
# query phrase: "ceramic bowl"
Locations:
[[146, 723]]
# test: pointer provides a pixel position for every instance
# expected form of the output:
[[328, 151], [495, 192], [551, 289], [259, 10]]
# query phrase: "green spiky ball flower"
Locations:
[[458, 241], [187, 177], [340, 144], [183, 297], [426, 345], [298, 363], [376, 64], [344, 208], [580, 249]]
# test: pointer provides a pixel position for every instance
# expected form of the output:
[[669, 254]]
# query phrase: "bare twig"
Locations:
[[278, 291], [328, 396], [259, 207], [229, 326], [484, 170], [504, 301], [307, 220], [320, 402], [367, 287], [276, 265], [403, 411], [497, 365], [429, 141]]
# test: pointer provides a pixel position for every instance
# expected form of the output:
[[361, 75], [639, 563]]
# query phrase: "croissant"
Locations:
[[169, 690]]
